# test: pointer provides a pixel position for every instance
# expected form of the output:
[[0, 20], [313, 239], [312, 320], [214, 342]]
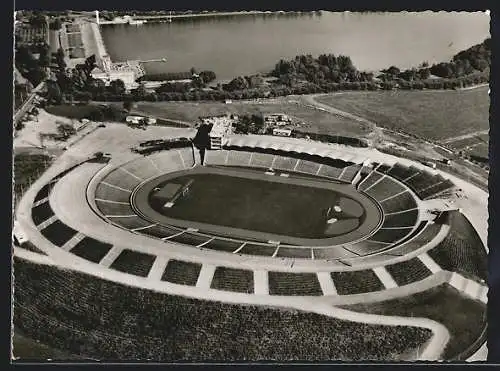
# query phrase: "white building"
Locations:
[[221, 127], [282, 132]]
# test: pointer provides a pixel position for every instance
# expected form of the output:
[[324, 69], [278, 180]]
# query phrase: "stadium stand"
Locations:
[[231, 279], [89, 316], [349, 173], [419, 181], [290, 252], [367, 247], [400, 172], [426, 232], [106, 192], [307, 167], [58, 233], [254, 249], [330, 172], [403, 201], [216, 158], [182, 273], [262, 160], [238, 158], [142, 168], [409, 271], [385, 188], [462, 250], [223, 245], [294, 284], [168, 161], [112, 208], [356, 282], [188, 238], [122, 179], [390, 235], [41, 213], [369, 180], [187, 156], [284, 163], [131, 222], [91, 249], [404, 219], [159, 231], [436, 189], [332, 253], [383, 168], [133, 262]]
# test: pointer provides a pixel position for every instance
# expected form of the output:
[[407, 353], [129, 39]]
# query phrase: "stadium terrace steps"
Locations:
[[356, 282], [284, 163], [231, 279], [262, 160], [369, 181], [462, 250], [294, 284], [91, 249], [181, 272], [121, 179], [133, 262], [408, 271]]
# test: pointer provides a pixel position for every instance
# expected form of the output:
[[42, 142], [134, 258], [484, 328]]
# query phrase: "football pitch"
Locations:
[[251, 201]]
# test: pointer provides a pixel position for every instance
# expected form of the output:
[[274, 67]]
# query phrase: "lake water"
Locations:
[[243, 45]]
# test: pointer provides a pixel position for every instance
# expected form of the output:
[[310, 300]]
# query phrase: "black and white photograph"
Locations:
[[250, 186]]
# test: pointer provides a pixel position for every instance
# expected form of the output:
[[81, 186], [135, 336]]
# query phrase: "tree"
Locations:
[[207, 76], [56, 24], [192, 71], [61, 63], [117, 87], [127, 105], [44, 59]]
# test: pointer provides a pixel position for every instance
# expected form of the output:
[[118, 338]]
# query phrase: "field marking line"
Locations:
[[116, 187], [111, 201], [131, 174], [394, 195]]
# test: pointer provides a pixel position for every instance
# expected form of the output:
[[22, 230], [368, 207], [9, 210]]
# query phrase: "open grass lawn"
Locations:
[[27, 349], [28, 167], [464, 318], [320, 122], [432, 114], [72, 112], [252, 204], [86, 315]]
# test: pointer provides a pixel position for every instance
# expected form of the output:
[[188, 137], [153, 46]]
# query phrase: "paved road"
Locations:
[[28, 104]]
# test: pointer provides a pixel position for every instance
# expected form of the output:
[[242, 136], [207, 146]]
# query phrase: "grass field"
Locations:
[[464, 318], [27, 168], [432, 114], [72, 112], [316, 121], [252, 204]]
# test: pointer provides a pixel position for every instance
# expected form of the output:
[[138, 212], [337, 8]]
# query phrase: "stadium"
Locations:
[[269, 248]]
